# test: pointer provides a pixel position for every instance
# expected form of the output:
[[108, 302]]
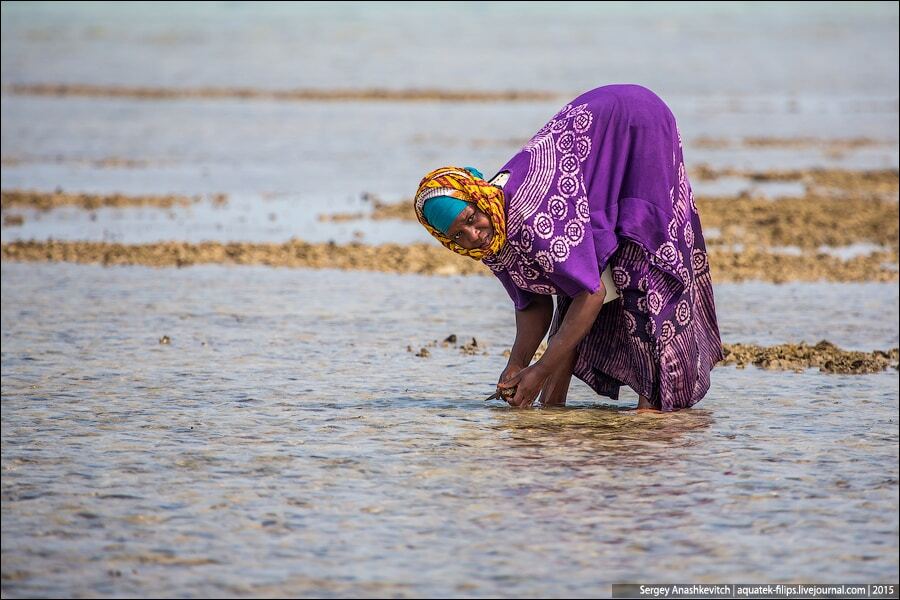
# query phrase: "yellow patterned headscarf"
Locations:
[[459, 183]]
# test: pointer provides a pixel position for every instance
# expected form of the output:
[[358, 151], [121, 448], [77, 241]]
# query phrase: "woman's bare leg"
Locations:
[[557, 385], [644, 405]]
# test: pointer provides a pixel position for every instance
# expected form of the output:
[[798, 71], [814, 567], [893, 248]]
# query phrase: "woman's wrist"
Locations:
[[515, 362], [555, 350], [542, 366]]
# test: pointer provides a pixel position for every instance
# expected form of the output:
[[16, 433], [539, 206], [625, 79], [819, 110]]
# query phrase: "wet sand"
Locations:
[[825, 356], [13, 220], [428, 259], [294, 95], [109, 162], [832, 148], [833, 145], [50, 200], [808, 221], [848, 182], [759, 265], [389, 258]]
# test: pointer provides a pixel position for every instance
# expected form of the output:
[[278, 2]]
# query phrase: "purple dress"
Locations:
[[603, 183]]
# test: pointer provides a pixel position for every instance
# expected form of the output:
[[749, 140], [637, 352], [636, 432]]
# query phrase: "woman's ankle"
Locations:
[[644, 403]]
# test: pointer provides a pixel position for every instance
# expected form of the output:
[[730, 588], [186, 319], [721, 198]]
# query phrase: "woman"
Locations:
[[601, 186]]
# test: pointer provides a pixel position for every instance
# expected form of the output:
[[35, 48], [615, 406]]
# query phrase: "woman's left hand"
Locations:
[[528, 383]]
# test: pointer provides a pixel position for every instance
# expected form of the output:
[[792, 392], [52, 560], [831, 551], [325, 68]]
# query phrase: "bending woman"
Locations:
[[597, 199]]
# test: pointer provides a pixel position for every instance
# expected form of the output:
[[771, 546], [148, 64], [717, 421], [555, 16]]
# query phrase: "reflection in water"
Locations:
[[592, 434]]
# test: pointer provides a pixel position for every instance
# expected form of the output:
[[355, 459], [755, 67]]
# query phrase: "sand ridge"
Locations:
[[49, 200], [290, 95], [426, 259]]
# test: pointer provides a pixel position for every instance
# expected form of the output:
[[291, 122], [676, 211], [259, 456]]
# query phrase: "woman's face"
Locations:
[[471, 229]]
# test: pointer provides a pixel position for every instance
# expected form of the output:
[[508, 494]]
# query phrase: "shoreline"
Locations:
[[45, 201], [426, 259], [798, 357], [283, 95], [808, 221], [824, 355]]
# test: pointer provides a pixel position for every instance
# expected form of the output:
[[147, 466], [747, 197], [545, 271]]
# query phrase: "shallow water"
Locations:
[[758, 48], [780, 70], [286, 443], [284, 165]]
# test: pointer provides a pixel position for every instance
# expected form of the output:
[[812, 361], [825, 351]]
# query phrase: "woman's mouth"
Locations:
[[486, 242]]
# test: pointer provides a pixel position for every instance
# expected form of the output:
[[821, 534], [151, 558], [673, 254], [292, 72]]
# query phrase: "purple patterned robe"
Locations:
[[603, 183]]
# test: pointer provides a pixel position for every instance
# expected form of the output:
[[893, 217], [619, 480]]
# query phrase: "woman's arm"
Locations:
[[532, 324], [579, 318]]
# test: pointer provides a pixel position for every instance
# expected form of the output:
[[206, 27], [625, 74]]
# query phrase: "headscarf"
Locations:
[[442, 211], [460, 183]]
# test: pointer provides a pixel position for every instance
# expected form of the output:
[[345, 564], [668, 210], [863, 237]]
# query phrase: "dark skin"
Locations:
[[550, 376], [472, 228]]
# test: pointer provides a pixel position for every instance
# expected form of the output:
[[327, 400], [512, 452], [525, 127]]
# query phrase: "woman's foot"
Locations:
[[644, 405]]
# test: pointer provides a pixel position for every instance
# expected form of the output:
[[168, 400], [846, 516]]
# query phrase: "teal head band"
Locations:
[[441, 211]]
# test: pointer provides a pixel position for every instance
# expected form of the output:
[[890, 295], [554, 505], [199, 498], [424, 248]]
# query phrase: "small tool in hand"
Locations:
[[502, 394]]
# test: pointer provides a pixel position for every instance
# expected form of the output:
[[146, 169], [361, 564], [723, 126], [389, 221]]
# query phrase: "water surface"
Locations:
[[285, 443]]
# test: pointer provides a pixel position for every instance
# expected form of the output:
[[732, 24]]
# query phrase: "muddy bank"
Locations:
[[807, 222], [342, 217], [469, 348], [13, 220], [110, 162], [381, 210], [855, 183], [391, 258], [399, 210], [824, 356], [295, 95], [49, 200], [759, 265], [427, 259], [828, 145]]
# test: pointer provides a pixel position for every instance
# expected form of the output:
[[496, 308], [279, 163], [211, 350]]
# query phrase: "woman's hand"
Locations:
[[510, 371], [528, 383]]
